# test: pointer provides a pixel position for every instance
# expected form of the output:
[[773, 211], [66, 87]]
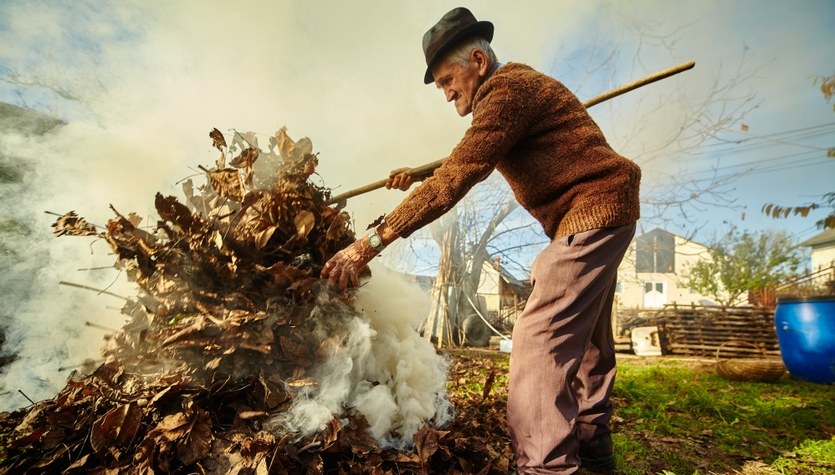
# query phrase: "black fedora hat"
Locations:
[[458, 24]]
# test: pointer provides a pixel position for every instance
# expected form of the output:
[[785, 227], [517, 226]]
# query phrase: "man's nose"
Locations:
[[450, 95]]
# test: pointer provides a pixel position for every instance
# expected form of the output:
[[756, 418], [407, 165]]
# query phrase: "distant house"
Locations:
[[823, 249], [501, 293], [822, 273], [654, 270], [500, 298]]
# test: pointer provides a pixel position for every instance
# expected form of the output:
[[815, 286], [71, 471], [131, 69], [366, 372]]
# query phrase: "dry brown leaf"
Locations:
[[71, 224], [171, 210], [227, 184], [263, 237], [376, 222], [218, 141], [426, 443], [246, 158], [197, 440], [117, 427], [171, 423], [304, 221], [338, 226]]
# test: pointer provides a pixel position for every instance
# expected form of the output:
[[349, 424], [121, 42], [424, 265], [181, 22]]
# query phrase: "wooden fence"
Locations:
[[737, 332]]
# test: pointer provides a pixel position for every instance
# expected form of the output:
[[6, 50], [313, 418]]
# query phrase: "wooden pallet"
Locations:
[[700, 331]]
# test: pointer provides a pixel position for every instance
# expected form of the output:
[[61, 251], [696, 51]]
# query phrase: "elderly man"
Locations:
[[539, 136]]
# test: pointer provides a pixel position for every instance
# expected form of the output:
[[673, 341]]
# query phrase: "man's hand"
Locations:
[[344, 267], [400, 179]]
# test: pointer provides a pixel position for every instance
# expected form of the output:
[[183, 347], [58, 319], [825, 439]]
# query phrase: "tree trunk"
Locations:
[[440, 325], [459, 273]]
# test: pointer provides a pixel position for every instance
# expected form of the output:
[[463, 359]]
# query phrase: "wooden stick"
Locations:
[[640, 83], [87, 287], [100, 327], [426, 169], [27, 397]]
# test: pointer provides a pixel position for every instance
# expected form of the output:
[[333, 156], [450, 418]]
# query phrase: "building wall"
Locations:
[[499, 298], [823, 256], [632, 285], [489, 288]]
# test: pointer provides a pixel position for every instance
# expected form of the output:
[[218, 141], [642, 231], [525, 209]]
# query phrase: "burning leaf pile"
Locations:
[[236, 357]]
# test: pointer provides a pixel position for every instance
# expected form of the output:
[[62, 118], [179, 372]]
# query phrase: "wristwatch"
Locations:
[[375, 241]]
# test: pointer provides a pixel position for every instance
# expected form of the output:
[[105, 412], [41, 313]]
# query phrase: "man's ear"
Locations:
[[480, 62]]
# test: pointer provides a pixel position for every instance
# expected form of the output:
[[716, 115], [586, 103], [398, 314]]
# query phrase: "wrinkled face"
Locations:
[[460, 83]]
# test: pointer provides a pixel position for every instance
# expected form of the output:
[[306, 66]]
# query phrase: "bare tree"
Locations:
[[466, 238]]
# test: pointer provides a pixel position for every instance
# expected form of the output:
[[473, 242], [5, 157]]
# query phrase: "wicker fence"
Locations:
[[738, 332]]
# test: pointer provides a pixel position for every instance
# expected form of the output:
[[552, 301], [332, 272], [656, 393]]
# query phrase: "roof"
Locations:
[[512, 279], [658, 231], [506, 274], [826, 237]]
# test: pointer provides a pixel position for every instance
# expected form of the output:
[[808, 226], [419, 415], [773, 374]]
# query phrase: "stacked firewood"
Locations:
[[715, 331]]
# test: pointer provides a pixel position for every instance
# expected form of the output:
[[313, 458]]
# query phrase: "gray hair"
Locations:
[[461, 53]]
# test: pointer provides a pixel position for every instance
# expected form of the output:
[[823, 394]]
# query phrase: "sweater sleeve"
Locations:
[[502, 111]]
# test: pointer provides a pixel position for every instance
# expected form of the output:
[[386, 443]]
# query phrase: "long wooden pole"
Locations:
[[429, 167]]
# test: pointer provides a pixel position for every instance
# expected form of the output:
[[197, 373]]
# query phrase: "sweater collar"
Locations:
[[490, 73]]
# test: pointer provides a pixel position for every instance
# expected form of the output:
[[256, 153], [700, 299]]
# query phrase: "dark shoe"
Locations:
[[602, 465]]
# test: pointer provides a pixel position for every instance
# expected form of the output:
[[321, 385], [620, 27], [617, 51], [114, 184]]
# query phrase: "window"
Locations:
[[655, 294], [650, 286]]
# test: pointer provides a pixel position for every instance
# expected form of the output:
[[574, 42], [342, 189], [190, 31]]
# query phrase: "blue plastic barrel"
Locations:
[[806, 334]]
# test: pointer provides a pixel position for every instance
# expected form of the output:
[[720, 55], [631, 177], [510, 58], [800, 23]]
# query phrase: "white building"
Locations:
[[654, 270], [822, 273], [823, 249], [501, 293]]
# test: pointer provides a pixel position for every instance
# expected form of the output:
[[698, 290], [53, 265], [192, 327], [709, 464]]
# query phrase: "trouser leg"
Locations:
[[592, 387], [572, 282]]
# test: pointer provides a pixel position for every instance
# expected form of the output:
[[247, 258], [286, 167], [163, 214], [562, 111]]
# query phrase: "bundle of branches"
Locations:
[[221, 337]]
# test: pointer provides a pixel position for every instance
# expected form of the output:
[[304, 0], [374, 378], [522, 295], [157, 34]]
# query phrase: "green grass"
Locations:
[[812, 456], [682, 418], [676, 417]]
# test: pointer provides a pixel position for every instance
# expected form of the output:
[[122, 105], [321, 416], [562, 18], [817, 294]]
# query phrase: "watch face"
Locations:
[[375, 241]]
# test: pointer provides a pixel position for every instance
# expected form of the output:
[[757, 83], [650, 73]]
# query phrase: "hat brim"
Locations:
[[483, 29]]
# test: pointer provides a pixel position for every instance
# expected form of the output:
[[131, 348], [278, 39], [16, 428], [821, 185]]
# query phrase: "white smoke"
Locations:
[[384, 369]]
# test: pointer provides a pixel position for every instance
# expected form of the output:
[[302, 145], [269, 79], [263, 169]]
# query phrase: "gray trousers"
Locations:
[[562, 365]]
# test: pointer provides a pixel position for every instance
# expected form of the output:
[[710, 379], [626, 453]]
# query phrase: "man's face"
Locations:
[[459, 83]]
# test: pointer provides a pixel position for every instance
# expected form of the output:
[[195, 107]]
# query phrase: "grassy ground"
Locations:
[[674, 416]]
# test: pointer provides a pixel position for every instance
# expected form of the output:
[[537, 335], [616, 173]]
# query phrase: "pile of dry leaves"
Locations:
[[221, 337]]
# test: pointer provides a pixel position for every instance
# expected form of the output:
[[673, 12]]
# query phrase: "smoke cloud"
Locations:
[[384, 370]]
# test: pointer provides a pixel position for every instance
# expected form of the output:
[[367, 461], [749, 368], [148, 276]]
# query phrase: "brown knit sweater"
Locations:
[[540, 137]]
